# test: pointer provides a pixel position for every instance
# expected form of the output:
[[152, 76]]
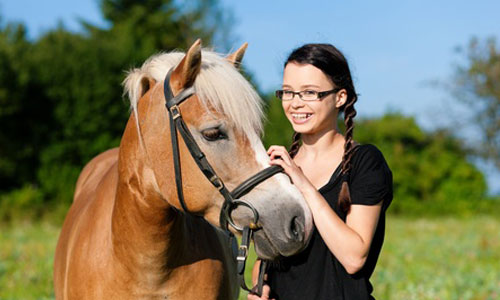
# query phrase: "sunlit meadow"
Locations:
[[422, 259]]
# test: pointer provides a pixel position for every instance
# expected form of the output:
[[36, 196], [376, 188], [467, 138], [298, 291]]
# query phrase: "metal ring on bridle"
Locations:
[[233, 206]]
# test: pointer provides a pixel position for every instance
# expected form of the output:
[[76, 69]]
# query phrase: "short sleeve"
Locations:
[[371, 178]]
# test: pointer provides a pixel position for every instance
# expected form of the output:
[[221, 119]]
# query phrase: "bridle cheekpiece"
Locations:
[[231, 199]]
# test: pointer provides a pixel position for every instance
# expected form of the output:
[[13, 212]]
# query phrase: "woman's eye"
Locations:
[[309, 93], [213, 134], [287, 93]]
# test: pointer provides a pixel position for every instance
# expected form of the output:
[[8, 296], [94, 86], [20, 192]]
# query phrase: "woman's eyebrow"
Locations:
[[303, 86], [310, 85]]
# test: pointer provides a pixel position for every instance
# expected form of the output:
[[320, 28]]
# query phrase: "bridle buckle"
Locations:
[[175, 111], [217, 182], [242, 253]]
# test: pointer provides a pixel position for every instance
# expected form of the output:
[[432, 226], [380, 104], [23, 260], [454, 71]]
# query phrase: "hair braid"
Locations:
[[294, 148], [344, 201]]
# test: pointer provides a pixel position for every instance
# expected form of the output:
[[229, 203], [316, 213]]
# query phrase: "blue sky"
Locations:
[[395, 48]]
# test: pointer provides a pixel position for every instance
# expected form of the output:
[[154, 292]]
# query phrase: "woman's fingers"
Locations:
[[278, 152], [252, 297], [265, 294], [266, 290], [275, 147], [281, 163], [275, 152], [281, 156]]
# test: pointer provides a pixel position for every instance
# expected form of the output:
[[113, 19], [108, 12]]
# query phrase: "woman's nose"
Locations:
[[296, 101]]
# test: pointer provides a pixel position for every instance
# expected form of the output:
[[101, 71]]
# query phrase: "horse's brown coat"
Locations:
[[122, 240], [124, 236]]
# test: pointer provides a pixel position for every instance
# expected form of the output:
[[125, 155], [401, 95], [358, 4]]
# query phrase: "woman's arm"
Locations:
[[349, 242], [255, 272]]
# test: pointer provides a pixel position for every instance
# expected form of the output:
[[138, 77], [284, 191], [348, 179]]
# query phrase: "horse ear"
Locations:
[[136, 84], [146, 84], [236, 57], [186, 71]]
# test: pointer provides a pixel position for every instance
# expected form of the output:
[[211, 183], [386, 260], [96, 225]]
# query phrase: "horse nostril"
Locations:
[[296, 228]]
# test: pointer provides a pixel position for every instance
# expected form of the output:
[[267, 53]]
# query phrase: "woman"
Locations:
[[348, 187]]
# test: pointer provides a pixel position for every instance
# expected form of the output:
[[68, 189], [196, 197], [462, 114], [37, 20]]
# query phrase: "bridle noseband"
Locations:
[[231, 199]]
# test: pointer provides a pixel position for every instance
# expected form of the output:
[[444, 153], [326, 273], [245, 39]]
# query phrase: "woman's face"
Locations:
[[311, 117]]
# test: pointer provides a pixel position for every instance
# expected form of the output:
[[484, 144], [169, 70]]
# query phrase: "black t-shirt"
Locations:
[[315, 273]]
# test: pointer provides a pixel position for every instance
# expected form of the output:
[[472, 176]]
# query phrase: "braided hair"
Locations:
[[332, 62]]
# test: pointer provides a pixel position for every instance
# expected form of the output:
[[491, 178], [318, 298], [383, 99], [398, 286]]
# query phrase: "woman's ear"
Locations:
[[340, 98]]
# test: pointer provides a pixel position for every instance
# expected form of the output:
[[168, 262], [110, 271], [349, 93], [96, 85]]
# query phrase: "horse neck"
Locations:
[[155, 240], [149, 235], [142, 218]]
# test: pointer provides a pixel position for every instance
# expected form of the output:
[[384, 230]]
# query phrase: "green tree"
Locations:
[[476, 84], [23, 113], [277, 128], [61, 95], [82, 89], [166, 24], [431, 172], [84, 81]]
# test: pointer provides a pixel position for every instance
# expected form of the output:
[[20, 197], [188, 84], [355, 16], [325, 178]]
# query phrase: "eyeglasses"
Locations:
[[307, 95]]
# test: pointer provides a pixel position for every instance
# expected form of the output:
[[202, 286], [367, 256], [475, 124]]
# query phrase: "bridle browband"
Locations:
[[231, 199]]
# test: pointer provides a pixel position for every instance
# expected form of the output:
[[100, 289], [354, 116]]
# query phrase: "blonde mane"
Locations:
[[219, 85]]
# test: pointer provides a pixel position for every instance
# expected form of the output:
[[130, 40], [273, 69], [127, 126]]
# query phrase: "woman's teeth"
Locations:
[[301, 116]]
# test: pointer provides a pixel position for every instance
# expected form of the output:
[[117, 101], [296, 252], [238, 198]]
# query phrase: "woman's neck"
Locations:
[[316, 145]]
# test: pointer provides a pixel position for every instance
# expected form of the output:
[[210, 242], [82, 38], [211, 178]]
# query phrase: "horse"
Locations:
[[128, 234]]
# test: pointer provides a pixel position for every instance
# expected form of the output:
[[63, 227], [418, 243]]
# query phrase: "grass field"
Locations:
[[421, 259]]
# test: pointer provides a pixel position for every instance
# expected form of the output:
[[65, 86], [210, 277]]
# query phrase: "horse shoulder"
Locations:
[[84, 238], [95, 170]]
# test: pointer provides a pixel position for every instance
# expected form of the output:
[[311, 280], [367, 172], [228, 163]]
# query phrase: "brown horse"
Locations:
[[126, 235]]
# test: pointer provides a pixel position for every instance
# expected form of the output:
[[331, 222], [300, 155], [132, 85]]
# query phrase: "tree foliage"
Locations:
[[477, 85], [430, 169], [61, 94], [277, 128], [18, 140]]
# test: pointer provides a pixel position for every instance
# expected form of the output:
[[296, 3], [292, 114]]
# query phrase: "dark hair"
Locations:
[[332, 62]]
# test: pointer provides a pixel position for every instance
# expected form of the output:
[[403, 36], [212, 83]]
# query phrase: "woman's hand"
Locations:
[[279, 156], [265, 294]]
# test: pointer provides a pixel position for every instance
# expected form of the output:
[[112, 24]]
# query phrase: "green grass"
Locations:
[[421, 259], [436, 259], [26, 258], [440, 259]]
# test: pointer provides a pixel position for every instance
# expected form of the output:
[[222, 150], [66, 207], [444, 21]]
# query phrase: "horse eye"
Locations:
[[213, 134]]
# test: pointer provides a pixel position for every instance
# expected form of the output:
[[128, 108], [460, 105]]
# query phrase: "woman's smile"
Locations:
[[301, 118]]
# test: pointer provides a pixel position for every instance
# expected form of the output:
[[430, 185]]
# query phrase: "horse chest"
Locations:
[[202, 280]]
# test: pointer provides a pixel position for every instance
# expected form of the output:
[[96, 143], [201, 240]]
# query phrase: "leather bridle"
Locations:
[[231, 199]]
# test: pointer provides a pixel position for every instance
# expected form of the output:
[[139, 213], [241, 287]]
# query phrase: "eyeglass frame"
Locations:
[[320, 95]]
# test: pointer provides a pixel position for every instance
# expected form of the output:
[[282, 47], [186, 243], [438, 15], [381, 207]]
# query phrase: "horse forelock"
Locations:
[[219, 85]]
